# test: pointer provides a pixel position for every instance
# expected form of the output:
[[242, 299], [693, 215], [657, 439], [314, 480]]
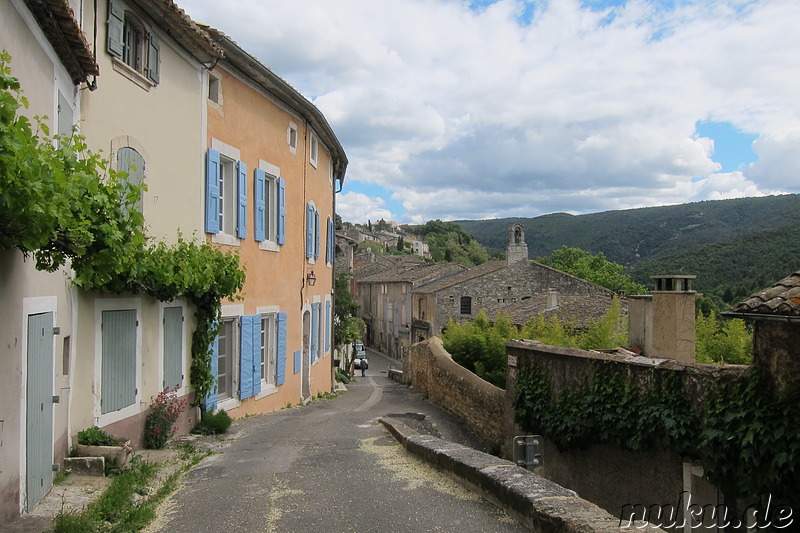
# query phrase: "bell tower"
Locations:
[[517, 249]]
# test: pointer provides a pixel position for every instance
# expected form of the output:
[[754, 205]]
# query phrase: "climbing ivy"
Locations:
[[746, 434], [60, 202]]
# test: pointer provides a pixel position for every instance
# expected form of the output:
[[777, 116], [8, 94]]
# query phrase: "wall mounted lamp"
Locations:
[[311, 279]]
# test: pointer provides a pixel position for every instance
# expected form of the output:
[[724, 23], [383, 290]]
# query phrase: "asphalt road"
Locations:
[[331, 467]]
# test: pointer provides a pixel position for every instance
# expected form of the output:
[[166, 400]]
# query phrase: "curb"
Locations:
[[538, 503]]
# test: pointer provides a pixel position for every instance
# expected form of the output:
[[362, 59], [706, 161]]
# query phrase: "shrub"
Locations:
[[480, 346], [723, 342], [94, 436], [213, 423], [163, 412]]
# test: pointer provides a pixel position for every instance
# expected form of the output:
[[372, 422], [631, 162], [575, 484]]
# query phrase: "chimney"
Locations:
[[663, 324], [552, 299]]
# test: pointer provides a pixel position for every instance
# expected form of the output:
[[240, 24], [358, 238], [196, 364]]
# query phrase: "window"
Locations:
[[215, 88], [291, 138], [312, 232], [132, 163], [270, 206], [466, 305], [268, 348], [225, 358], [133, 44], [226, 194], [330, 243], [313, 149]]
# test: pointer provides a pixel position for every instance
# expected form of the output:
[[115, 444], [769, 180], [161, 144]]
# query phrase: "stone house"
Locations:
[[578, 310], [384, 293], [493, 286], [775, 315]]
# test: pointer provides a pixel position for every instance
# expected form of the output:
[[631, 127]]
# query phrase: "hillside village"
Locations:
[[224, 250]]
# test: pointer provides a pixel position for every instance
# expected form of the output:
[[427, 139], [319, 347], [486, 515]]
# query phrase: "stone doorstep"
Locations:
[[537, 502]]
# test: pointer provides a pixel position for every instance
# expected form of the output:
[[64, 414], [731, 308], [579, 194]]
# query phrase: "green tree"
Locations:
[[480, 346], [723, 342], [594, 268], [400, 243], [346, 324]]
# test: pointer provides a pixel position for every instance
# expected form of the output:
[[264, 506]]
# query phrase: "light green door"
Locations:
[[39, 402]]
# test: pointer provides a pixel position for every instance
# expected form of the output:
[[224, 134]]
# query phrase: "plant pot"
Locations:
[[119, 454]]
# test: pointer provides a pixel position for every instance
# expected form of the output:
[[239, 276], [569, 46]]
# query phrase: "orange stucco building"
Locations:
[[272, 167]]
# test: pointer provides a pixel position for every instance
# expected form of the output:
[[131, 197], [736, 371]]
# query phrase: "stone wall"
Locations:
[[501, 288], [603, 474], [449, 385]]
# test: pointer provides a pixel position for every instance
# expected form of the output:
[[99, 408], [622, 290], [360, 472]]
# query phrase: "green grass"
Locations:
[[129, 504]]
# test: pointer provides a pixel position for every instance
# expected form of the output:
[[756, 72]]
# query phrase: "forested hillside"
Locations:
[[632, 236]]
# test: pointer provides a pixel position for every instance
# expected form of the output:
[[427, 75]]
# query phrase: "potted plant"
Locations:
[[94, 442]]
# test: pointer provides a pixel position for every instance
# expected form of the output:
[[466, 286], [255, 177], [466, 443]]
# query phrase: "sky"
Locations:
[[471, 109]]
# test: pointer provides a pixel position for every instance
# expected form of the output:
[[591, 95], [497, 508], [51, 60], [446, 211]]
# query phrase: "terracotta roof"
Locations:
[[580, 310], [183, 29], [59, 24], [416, 274], [781, 299]]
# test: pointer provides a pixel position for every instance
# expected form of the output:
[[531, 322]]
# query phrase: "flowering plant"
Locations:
[[162, 414]]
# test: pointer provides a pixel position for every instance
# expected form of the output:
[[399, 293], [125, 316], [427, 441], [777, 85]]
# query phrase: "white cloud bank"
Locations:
[[468, 114]]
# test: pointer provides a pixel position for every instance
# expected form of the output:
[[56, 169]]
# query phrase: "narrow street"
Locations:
[[331, 467]]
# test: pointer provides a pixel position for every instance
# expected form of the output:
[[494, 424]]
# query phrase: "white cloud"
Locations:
[[358, 207], [464, 112]]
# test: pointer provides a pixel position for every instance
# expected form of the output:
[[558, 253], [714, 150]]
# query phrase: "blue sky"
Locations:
[[478, 109]]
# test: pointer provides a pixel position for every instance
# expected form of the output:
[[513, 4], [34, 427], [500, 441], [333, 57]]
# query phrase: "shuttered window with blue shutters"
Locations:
[[314, 331], [309, 230], [280, 370], [250, 356], [281, 211], [316, 235], [297, 362], [260, 205], [211, 397], [330, 243], [241, 190], [212, 191]]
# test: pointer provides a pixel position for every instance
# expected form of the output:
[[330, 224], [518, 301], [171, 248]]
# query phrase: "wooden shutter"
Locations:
[[153, 58], [246, 357], [211, 398], [173, 347], [116, 26], [328, 242], [297, 362], [212, 191], [281, 211], [309, 231], [118, 371], [260, 204], [280, 359], [314, 331], [316, 234], [241, 187], [327, 326]]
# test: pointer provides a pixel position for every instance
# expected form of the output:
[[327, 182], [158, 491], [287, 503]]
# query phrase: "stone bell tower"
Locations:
[[517, 249]]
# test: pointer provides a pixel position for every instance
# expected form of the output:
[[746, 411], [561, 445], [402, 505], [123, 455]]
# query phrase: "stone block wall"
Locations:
[[458, 390], [604, 474]]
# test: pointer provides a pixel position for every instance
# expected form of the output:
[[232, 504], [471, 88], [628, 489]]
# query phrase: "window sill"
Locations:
[[225, 238], [135, 76], [266, 390], [270, 246], [228, 404]]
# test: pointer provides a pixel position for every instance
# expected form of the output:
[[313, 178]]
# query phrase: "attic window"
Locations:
[[313, 150], [133, 44], [291, 137], [215, 89]]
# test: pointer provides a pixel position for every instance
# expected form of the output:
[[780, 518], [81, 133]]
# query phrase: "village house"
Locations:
[[53, 61], [270, 196], [168, 111], [493, 286]]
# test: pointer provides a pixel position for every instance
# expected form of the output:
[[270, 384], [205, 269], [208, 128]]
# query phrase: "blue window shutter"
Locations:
[[281, 211], [153, 58], [327, 326], [309, 231], [280, 366], [241, 219], [297, 362], [246, 357], [260, 204], [116, 24], [316, 234], [314, 331], [212, 191], [328, 241], [211, 398]]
